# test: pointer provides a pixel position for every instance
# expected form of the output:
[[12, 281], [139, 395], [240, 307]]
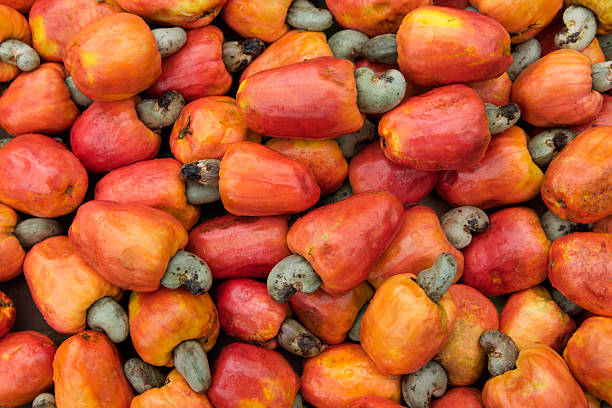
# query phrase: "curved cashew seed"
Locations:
[[435, 281], [565, 304], [382, 48], [355, 332], [524, 54], [459, 223], [298, 402], [547, 144], [237, 55], [379, 94], [347, 44], [198, 194], [106, 315], [292, 274], [142, 376], [44, 400], [602, 76], [20, 54], [503, 117], [472, 8], [189, 270], [190, 360], [205, 172], [343, 192], [162, 112], [501, 349], [580, 28], [33, 230], [555, 227], [297, 339], [350, 144], [605, 43], [169, 40], [77, 96], [303, 15], [428, 381]]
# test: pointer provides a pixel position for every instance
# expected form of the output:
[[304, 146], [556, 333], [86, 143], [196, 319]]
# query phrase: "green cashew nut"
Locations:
[[291, 275], [501, 349], [106, 315], [162, 112], [169, 40], [190, 360], [436, 281], [34, 230], [428, 381], [382, 48], [298, 340], [143, 376], [189, 270], [347, 44], [379, 94]]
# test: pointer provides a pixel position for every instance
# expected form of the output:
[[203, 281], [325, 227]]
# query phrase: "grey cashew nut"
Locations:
[[191, 361], [189, 270], [524, 55], [76, 95], [565, 304], [34, 230], [502, 118], [20, 54], [501, 350], [601, 74], [291, 275], [303, 15], [459, 223], [343, 192], [44, 400], [436, 281], [142, 376], [382, 48], [198, 194], [298, 402], [472, 8], [355, 331], [205, 172], [350, 144], [162, 112], [106, 315], [169, 40], [580, 28], [605, 43], [4, 141], [428, 381], [379, 94], [347, 44], [556, 227], [237, 55], [544, 146], [298, 340]]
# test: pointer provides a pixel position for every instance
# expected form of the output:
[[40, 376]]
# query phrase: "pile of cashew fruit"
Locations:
[[297, 203]]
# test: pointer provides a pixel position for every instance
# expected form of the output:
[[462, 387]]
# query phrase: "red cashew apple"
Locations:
[[465, 397], [11, 252], [184, 13], [175, 393], [263, 19]]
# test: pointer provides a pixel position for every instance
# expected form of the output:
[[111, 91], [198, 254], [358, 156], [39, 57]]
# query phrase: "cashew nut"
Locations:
[[547, 144], [142, 376], [580, 28], [382, 48], [303, 15], [355, 332], [350, 144], [459, 223], [298, 340], [605, 43], [190, 360], [20, 54], [33, 230], [555, 227], [237, 55], [502, 118], [428, 381], [44, 400], [198, 194], [106, 315], [169, 40], [602, 76], [298, 402], [162, 112], [77, 96], [565, 304], [292, 274], [347, 44], [501, 349], [379, 94], [436, 280], [524, 55], [189, 270], [205, 172]]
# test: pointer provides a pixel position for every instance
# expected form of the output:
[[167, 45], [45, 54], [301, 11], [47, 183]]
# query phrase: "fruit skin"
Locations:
[[41, 177], [240, 247], [247, 312], [79, 383], [443, 129], [322, 103], [14, 25], [369, 220], [465, 397], [206, 128], [21, 5], [263, 19], [325, 383], [415, 247], [196, 70], [26, 362], [11, 252], [374, 402], [439, 45], [110, 72], [183, 13], [62, 285], [161, 320], [495, 91], [580, 267], [8, 314], [604, 118], [588, 356], [511, 255], [557, 90], [531, 316], [505, 175], [402, 329], [330, 317], [462, 357], [250, 376], [128, 244], [155, 183], [40, 94], [55, 22], [536, 382], [370, 170], [373, 17], [255, 180], [603, 225], [175, 393], [576, 185]]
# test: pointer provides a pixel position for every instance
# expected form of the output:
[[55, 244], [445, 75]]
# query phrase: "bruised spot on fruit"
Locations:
[[69, 190], [186, 130]]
